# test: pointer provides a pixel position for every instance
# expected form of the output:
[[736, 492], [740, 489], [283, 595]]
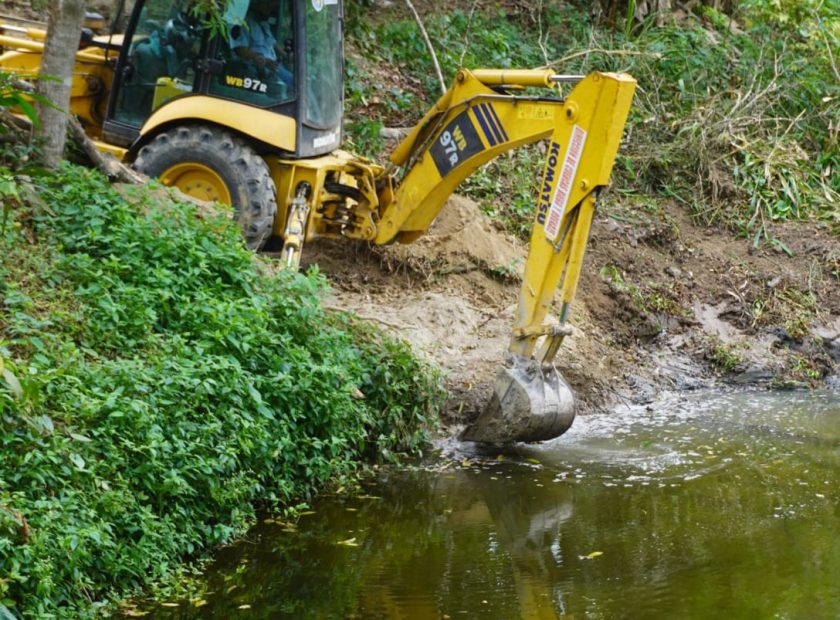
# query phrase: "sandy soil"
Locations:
[[663, 304]]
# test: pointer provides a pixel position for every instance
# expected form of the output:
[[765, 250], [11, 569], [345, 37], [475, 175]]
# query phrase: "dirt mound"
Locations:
[[462, 239]]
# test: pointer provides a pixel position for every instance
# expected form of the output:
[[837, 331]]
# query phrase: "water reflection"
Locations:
[[723, 506]]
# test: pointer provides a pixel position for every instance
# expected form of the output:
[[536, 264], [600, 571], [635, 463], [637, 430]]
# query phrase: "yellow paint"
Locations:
[[264, 125], [198, 181], [116, 151], [536, 112]]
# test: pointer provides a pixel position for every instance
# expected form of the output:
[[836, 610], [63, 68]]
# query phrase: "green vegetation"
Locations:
[[171, 385], [736, 116], [722, 355], [651, 297]]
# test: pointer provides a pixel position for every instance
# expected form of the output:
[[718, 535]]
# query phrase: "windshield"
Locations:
[[323, 108]]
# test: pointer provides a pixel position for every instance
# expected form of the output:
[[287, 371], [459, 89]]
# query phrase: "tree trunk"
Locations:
[[63, 32]]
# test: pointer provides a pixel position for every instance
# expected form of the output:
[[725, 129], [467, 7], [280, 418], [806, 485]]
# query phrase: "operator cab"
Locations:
[[284, 56]]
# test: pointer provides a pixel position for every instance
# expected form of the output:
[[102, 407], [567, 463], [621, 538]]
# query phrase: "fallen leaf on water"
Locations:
[[591, 556], [269, 521], [501, 457], [534, 461], [169, 604], [199, 602], [350, 542], [245, 606], [133, 613], [306, 512]]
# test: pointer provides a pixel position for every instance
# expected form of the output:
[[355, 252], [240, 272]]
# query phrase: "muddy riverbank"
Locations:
[[664, 304]]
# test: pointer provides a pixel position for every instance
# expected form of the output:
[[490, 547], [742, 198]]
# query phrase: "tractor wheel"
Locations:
[[212, 164]]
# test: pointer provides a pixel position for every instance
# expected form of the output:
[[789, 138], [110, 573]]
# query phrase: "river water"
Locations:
[[708, 506]]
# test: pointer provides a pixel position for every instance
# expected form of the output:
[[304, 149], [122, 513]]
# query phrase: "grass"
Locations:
[[723, 356], [170, 387]]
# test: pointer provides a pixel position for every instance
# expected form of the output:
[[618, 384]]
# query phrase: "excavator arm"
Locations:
[[483, 115]]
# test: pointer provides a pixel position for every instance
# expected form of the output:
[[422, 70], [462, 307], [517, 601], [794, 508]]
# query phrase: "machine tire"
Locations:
[[209, 163]]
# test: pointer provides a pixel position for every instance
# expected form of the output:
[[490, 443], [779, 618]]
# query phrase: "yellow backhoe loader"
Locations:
[[249, 113]]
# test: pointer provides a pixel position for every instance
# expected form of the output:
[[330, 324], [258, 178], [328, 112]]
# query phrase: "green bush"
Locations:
[[172, 386]]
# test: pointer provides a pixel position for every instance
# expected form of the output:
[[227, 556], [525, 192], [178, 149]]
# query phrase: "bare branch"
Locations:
[[598, 50], [467, 31], [105, 162], [428, 45], [543, 37]]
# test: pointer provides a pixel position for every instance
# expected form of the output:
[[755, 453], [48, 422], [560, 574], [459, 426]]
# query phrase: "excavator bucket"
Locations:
[[529, 403]]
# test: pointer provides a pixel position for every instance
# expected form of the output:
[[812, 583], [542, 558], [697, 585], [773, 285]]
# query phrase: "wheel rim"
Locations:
[[198, 181]]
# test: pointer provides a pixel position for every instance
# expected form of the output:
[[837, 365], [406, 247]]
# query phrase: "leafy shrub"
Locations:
[[171, 387]]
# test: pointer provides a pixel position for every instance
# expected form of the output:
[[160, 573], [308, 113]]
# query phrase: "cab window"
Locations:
[[161, 60], [324, 65], [256, 53]]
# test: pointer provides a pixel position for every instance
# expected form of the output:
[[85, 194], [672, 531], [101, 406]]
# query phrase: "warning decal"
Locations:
[[564, 184]]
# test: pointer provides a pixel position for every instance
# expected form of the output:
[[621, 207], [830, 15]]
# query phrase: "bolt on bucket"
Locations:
[[529, 403]]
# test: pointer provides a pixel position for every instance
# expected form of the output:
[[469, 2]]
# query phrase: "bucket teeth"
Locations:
[[529, 403]]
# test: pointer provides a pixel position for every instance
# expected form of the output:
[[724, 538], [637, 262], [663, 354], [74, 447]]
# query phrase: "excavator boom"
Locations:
[[484, 114]]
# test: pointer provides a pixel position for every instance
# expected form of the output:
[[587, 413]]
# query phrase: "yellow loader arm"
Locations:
[[484, 114]]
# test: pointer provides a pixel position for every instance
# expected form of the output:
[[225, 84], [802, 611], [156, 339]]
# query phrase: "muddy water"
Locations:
[[719, 506]]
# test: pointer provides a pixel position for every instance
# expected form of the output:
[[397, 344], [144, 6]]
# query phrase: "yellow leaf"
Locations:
[[594, 555], [169, 604], [501, 457], [199, 602], [350, 542], [245, 606], [534, 461], [133, 613]]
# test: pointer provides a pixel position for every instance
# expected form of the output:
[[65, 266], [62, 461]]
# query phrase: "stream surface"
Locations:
[[707, 506]]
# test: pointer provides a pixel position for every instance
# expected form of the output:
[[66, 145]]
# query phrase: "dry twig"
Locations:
[[598, 50], [428, 45]]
